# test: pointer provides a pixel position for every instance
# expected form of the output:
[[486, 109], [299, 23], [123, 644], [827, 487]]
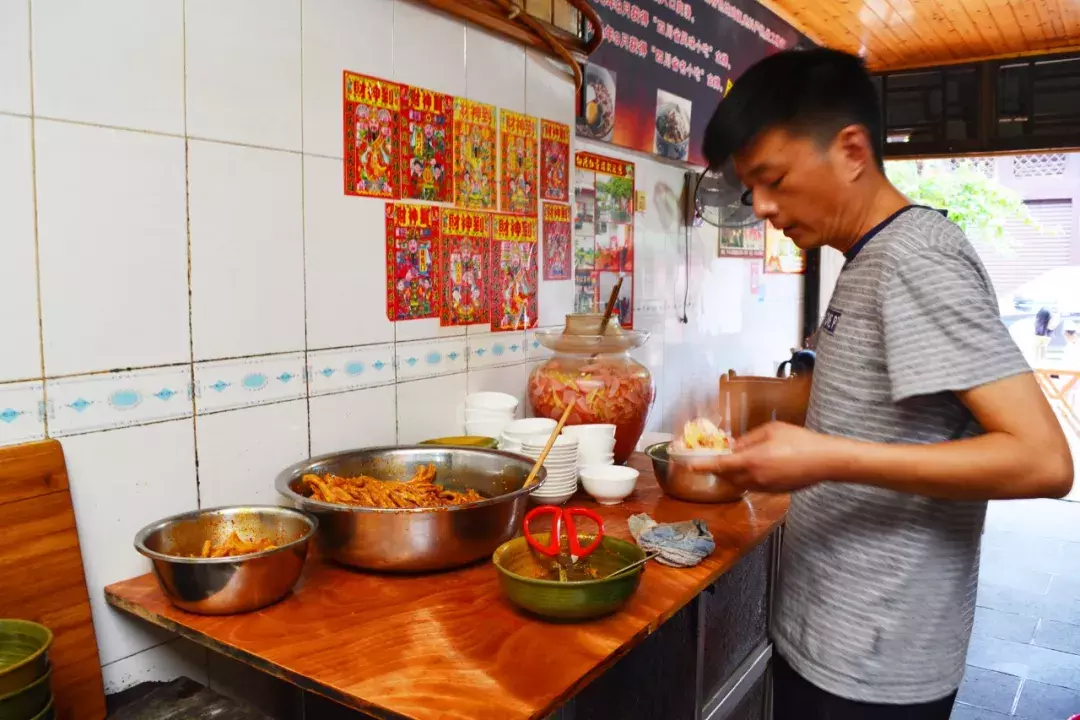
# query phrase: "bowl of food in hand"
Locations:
[[412, 508], [228, 560], [585, 589], [701, 440]]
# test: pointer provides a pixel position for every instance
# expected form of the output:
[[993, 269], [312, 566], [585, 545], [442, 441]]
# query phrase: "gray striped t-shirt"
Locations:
[[877, 588]]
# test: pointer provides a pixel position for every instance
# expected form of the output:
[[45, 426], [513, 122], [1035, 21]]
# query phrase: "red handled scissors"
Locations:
[[558, 515]]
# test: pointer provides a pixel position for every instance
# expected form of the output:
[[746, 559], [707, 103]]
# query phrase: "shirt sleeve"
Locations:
[[942, 329]]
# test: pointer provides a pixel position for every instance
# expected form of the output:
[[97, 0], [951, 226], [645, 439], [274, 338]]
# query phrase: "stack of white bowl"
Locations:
[[487, 413], [516, 432], [561, 465], [596, 443]]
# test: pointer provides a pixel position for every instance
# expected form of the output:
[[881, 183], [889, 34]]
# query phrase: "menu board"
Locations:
[[664, 65]]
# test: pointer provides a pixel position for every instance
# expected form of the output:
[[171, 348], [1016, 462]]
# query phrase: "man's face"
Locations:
[[802, 188]]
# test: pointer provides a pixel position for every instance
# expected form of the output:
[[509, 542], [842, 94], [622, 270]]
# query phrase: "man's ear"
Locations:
[[854, 151]]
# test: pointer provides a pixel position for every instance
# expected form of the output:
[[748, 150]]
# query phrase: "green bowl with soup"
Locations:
[[531, 581]]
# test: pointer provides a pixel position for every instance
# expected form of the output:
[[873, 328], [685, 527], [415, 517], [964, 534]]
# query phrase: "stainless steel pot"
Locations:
[[417, 539], [223, 586]]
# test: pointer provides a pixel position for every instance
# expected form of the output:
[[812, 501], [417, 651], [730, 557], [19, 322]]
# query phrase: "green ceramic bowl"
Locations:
[[580, 600], [24, 654], [47, 714], [464, 441], [28, 702]]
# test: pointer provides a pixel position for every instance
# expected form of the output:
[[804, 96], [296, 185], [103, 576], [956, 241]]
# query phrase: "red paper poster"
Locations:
[[474, 155], [603, 233], [513, 275], [466, 236], [427, 144], [412, 261], [517, 163], [556, 248], [371, 141], [554, 161]]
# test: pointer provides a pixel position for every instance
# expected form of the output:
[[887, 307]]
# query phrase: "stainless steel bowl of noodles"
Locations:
[[414, 508]]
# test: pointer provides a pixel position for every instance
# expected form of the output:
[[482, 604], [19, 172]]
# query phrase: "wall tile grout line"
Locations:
[[303, 234], [44, 410]]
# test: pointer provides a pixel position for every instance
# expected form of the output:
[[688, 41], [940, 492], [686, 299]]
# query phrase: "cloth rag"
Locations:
[[681, 544]]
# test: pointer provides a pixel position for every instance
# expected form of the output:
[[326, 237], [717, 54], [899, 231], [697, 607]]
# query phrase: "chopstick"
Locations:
[[547, 448]]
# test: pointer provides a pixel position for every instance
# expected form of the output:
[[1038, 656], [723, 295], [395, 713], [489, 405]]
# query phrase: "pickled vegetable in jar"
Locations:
[[597, 376]]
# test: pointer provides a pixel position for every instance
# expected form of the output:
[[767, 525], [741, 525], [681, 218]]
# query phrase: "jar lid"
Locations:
[[581, 335]]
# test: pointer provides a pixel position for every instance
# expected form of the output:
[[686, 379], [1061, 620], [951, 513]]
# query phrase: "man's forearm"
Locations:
[[994, 466]]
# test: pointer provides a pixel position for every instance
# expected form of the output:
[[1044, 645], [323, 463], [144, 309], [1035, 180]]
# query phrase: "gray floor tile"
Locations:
[[1047, 702], [1062, 610], [1027, 661], [1007, 626], [1010, 573], [1064, 587], [1041, 518], [1021, 543], [1071, 552], [988, 689], [967, 712], [1044, 556], [1011, 600], [1058, 636]]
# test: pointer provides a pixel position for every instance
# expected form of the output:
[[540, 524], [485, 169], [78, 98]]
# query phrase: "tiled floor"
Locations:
[[1024, 659]]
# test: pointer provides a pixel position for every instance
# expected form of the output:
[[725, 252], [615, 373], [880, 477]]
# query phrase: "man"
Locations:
[[922, 408]]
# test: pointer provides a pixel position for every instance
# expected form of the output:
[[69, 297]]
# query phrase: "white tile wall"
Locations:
[[228, 303], [243, 71], [361, 418], [345, 260], [15, 56], [135, 79], [113, 248], [341, 35], [21, 357], [120, 481], [241, 452], [247, 251]]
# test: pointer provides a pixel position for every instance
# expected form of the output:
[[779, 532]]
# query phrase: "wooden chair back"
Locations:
[[749, 401]]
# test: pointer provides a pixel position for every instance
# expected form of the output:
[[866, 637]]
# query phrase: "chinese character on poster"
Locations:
[[554, 161], [745, 242], [371, 148], [556, 248], [412, 261], [782, 255], [514, 273], [474, 155], [427, 142], [517, 163], [465, 246]]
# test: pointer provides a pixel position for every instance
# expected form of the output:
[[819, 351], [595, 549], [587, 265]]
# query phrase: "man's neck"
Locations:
[[880, 203]]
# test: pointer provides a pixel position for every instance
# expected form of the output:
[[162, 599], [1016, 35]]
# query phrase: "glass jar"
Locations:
[[597, 375]]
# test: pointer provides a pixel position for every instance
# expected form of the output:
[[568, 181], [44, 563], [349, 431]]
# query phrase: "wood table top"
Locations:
[[449, 645]]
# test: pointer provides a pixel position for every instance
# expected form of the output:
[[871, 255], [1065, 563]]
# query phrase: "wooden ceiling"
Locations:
[[894, 34]]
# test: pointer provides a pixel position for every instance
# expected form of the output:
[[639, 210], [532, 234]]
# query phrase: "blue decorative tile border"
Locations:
[[247, 382], [344, 369], [101, 402], [22, 412], [428, 358], [492, 349]]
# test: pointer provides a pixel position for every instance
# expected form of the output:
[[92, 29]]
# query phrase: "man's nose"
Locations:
[[764, 207]]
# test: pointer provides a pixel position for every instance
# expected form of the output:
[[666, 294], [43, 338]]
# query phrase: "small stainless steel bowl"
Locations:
[[224, 586], [679, 481], [417, 539]]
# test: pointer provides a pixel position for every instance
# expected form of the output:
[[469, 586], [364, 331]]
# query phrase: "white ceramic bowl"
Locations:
[[527, 427], [584, 461], [485, 428], [593, 430], [474, 415], [596, 445], [609, 484], [551, 499], [540, 441], [491, 401]]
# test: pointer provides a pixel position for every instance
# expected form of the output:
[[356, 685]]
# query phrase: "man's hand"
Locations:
[[776, 457]]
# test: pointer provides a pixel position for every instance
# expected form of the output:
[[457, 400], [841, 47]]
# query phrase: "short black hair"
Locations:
[[817, 92]]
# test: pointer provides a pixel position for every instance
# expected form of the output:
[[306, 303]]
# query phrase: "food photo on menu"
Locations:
[[598, 120], [672, 138]]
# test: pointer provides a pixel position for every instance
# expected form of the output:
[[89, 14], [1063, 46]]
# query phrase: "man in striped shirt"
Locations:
[[921, 410]]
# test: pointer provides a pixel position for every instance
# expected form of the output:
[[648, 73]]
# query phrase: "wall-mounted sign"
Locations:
[[664, 64]]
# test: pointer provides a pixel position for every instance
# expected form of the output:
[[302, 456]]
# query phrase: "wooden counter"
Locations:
[[449, 645]]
